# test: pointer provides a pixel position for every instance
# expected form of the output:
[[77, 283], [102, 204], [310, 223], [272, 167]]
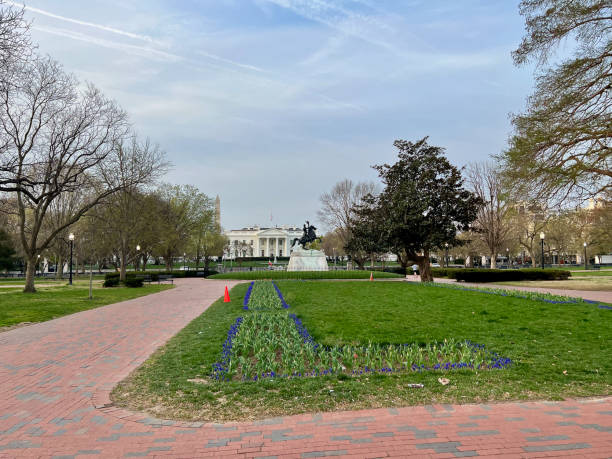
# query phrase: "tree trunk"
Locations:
[[493, 261], [425, 267], [30, 272], [145, 257], [123, 268], [168, 262], [59, 272], [469, 262], [206, 263], [425, 270]]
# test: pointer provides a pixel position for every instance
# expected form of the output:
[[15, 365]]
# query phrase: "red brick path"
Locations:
[[55, 378]]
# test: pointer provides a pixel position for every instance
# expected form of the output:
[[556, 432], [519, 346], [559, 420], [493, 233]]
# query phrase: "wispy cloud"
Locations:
[[367, 28], [85, 23], [229, 61], [143, 51]]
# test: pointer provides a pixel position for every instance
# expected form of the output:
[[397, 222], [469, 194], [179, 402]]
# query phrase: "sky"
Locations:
[[269, 103]]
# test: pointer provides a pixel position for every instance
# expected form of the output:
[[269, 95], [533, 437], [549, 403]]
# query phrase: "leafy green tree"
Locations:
[[561, 144], [7, 251], [423, 204]]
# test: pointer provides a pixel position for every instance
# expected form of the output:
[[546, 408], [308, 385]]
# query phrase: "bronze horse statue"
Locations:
[[309, 235]]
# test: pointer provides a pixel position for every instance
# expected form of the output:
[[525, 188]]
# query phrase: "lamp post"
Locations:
[[446, 253], [71, 237], [585, 256], [184, 266], [137, 257], [334, 250], [542, 241]]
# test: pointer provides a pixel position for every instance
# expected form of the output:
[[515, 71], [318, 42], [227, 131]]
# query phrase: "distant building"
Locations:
[[262, 242]]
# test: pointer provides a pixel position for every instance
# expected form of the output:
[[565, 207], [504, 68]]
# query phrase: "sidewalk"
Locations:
[[55, 378]]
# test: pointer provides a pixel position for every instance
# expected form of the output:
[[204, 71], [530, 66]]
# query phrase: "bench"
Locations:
[[165, 278]]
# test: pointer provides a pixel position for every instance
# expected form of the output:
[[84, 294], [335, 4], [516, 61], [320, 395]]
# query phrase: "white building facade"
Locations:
[[262, 242]]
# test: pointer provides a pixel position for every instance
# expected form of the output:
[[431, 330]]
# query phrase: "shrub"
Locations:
[[445, 272], [111, 280], [133, 281], [251, 275], [501, 275]]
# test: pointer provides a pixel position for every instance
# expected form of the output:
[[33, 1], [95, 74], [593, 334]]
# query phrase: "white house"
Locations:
[[262, 242]]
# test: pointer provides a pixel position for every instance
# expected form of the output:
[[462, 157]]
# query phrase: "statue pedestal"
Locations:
[[307, 260]]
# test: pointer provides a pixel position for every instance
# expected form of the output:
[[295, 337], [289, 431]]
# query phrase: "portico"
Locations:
[[262, 242]]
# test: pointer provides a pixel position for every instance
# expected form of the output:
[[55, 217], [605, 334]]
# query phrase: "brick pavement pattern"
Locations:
[[55, 378]]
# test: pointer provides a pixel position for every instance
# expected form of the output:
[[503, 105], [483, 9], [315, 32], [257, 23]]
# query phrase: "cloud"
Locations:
[[85, 23], [366, 28], [142, 51]]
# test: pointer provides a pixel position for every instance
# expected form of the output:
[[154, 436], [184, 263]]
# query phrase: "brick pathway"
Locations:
[[55, 378]]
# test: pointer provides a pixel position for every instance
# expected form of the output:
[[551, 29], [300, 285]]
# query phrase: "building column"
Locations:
[[277, 245]]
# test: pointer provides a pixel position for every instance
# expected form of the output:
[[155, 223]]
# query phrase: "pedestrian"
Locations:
[[415, 268]]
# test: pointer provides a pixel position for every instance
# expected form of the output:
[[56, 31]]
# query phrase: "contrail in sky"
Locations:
[[84, 23]]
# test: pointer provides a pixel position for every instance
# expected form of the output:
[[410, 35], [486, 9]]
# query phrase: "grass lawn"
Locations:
[[591, 283], [557, 351], [592, 273], [51, 302]]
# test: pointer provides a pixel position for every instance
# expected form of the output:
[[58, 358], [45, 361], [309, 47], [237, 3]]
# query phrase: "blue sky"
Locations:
[[268, 103]]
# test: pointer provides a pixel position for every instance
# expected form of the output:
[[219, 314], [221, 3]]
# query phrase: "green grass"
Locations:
[[256, 275], [591, 273], [52, 302], [542, 339]]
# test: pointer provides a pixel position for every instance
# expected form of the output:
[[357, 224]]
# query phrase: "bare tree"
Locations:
[[492, 225], [15, 42], [121, 216], [60, 139], [336, 207], [529, 220]]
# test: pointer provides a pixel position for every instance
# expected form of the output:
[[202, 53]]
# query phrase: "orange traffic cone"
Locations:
[[226, 298], [371, 276]]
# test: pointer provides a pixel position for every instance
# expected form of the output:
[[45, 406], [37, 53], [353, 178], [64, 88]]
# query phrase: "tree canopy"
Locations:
[[560, 147], [422, 206]]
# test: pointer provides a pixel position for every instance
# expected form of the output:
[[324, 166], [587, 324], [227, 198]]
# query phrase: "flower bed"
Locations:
[[269, 342]]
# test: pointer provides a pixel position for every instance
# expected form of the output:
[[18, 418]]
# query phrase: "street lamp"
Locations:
[[508, 256], [184, 267], [71, 237], [446, 253], [334, 250], [542, 241], [38, 262], [585, 256], [137, 257]]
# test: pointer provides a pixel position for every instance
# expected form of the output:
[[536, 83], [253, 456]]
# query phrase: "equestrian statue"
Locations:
[[308, 236]]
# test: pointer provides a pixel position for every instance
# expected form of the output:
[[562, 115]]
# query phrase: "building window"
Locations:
[[262, 253], [280, 253]]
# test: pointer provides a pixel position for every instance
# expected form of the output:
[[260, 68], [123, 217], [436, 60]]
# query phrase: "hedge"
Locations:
[[445, 272], [501, 275], [255, 275], [131, 280], [112, 279]]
